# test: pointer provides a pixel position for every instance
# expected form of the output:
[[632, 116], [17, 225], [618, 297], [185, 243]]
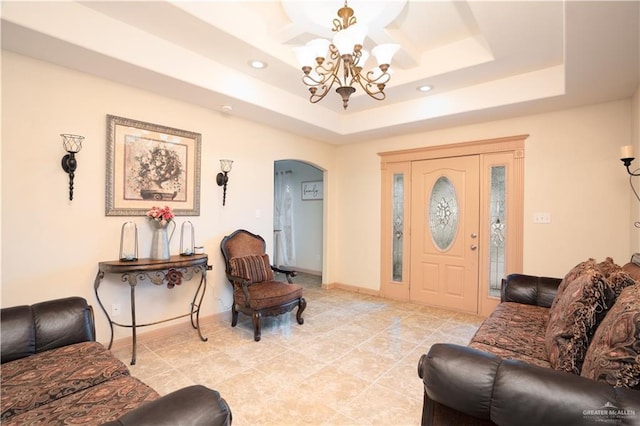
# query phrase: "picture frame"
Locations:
[[151, 165], [312, 190]]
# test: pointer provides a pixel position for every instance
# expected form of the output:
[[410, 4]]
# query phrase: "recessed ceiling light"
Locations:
[[257, 64], [424, 88], [226, 108]]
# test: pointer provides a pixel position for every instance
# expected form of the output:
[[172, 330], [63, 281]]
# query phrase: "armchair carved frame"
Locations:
[[259, 295]]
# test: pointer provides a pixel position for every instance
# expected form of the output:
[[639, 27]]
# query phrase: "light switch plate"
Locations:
[[542, 217]]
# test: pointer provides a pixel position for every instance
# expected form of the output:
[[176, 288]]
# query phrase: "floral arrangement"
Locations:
[[158, 168], [162, 215]]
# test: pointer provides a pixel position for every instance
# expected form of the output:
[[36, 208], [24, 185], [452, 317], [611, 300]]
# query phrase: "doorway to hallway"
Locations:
[[298, 209]]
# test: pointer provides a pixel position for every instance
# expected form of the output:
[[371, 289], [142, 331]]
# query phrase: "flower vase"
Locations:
[[160, 240]]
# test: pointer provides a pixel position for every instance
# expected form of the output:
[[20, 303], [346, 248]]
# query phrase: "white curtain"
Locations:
[[283, 219]]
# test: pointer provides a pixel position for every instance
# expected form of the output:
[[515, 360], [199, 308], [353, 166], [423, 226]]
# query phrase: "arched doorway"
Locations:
[[298, 216]]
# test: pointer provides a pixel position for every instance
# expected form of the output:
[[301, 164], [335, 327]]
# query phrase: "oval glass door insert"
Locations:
[[443, 213]]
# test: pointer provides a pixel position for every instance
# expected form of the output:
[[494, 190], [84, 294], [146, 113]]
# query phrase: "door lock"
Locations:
[[474, 235]]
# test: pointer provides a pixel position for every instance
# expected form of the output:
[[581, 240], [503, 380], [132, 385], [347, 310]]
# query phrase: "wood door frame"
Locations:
[[400, 161]]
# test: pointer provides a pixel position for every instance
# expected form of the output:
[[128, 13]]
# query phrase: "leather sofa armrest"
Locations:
[[191, 406], [529, 289], [459, 377], [510, 392]]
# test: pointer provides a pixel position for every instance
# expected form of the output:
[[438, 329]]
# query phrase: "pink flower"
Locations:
[[163, 215]]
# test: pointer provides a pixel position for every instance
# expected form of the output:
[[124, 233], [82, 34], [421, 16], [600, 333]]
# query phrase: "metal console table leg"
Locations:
[[171, 271]]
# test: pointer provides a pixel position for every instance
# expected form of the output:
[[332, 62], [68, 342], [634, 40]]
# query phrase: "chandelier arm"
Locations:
[[381, 79], [328, 82], [368, 83], [378, 95]]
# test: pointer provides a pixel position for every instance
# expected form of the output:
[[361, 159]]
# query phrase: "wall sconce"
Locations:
[[626, 156], [222, 178], [72, 144]]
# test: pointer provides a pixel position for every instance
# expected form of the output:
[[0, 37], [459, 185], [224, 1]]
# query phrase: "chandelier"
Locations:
[[345, 62]]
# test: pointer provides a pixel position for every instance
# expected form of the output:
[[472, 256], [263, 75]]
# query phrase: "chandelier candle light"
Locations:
[[345, 63]]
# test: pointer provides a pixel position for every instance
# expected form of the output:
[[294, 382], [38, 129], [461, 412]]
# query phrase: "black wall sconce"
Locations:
[[72, 144], [626, 156], [626, 153], [222, 178]]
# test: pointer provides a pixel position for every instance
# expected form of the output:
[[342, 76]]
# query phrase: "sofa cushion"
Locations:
[[256, 268], [30, 382], [505, 353], [98, 404], [574, 318], [614, 354], [514, 331]]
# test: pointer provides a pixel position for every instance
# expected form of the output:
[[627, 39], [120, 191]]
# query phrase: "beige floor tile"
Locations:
[[353, 362], [332, 386], [168, 381], [290, 367], [365, 364], [378, 405]]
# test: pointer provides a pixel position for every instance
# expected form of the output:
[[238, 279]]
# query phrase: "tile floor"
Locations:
[[353, 362]]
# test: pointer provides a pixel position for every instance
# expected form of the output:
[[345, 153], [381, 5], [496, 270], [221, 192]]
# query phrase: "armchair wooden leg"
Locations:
[[257, 333], [302, 304], [234, 315]]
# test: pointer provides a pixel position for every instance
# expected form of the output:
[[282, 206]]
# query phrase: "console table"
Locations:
[[172, 272]]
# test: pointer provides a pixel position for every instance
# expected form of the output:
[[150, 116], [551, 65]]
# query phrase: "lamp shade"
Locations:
[[72, 143], [358, 33], [364, 55], [384, 52], [319, 47], [343, 41], [304, 55], [225, 165]]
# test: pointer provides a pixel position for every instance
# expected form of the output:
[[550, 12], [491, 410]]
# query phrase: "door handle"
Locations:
[[474, 247], [474, 235]]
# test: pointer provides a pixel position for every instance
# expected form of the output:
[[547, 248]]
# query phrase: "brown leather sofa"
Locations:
[[54, 372], [483, 385]]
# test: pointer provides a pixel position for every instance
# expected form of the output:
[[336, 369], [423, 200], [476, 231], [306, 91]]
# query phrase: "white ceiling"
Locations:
[[486, 60]]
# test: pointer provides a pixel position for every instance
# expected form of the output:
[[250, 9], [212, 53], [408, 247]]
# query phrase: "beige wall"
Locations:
[[51, 246], [635, 140], [572, 171]]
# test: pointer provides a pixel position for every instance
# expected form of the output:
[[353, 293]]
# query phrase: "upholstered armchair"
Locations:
[[255, 291]]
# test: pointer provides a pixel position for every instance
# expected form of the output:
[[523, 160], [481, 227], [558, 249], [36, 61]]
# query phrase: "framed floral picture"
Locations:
[[150, 165]]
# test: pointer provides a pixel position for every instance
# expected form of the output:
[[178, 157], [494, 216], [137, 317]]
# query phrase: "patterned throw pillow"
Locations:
[[256, 268], [614, 355], [574, 273], [619, 280], [574, 318], [608, 267]]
